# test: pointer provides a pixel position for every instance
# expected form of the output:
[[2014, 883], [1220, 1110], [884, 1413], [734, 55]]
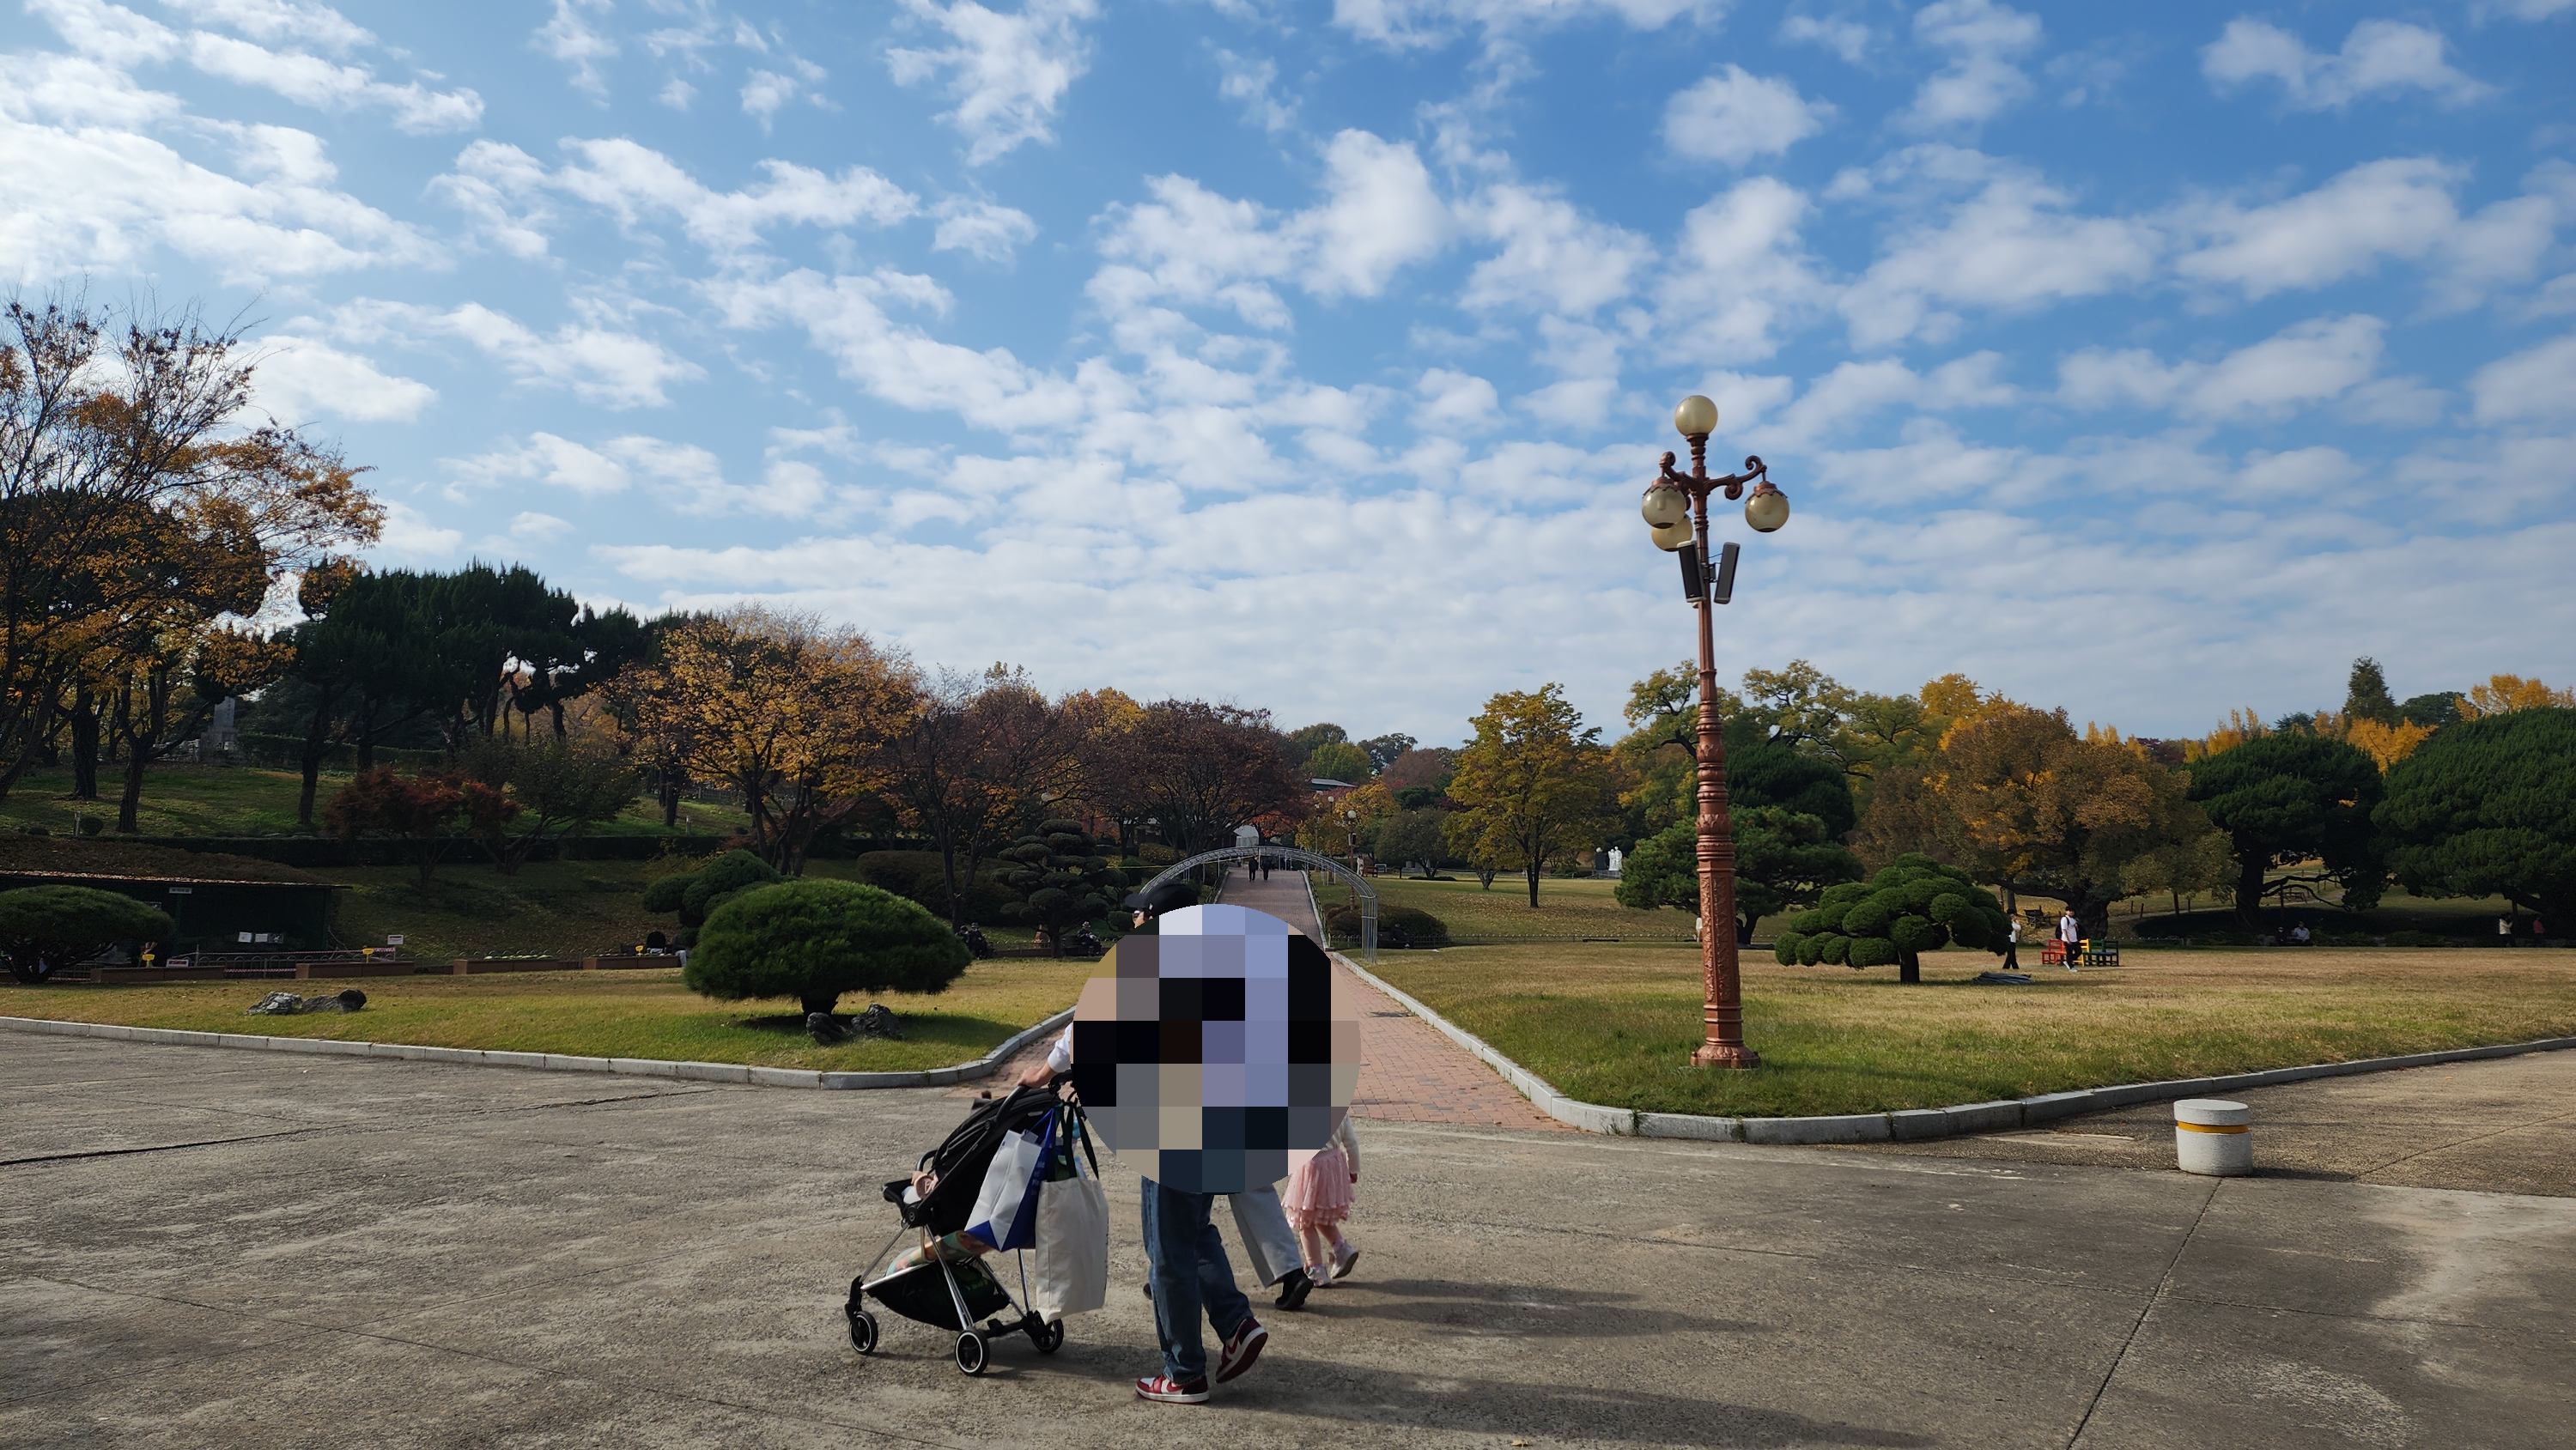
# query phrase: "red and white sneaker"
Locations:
[[1161, 1388], [1240, 1351]]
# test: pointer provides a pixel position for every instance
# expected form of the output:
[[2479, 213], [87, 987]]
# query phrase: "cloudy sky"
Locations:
[[1313, 355]]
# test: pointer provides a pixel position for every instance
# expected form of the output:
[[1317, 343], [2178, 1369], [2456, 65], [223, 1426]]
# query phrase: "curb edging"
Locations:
[[726, 1072], [1912, 1124]]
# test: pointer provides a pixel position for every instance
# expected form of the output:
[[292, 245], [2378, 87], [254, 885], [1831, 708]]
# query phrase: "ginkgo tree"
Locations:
[[1534, 783]]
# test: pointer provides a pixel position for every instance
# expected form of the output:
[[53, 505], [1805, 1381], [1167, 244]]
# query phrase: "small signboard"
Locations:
[[394, 940], [183, 890]]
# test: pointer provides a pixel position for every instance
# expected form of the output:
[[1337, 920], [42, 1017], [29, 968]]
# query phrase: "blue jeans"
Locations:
[[1190, 1272]]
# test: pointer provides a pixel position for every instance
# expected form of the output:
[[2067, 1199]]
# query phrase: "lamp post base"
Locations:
[[1719, 1054]]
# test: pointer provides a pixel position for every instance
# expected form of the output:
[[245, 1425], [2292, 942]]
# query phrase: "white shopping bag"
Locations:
[[1006, 1208], [1072, 1258]]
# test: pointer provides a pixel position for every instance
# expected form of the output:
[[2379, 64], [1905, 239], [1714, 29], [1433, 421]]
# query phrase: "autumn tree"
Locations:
[[2290, 797], [979, 757], [126, 449], [1534, 783], [798, 716], [1197, 769], [2504, 694], [556, 787], [420, 809], [2017, 799]]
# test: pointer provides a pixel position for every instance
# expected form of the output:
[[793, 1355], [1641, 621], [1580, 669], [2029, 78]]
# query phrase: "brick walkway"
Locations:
[[1407, 1071]]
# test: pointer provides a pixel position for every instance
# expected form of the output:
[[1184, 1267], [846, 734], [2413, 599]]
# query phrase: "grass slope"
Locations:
[[1616, 1024], [215, 800], [595, 1014], [1566, 911]]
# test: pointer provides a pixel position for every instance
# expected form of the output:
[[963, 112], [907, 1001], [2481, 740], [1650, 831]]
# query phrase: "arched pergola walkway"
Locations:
[[1292, 856]]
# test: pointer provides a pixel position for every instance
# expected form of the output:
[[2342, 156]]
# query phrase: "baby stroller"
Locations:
[[965, 1297]]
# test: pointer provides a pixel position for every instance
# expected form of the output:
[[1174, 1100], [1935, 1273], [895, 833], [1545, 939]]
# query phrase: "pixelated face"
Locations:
[[1220, 1055]]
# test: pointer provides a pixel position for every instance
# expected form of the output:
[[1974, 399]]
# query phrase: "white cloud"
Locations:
[[1737, 117], [548, 459], [981, 229], [300, 377], [272, 21], [570, 37], [2401, 208], [1417, 23], [1846, 38], [1983, 40], [410, 536], [598, 364], [2012, 245], [504, 189], [1452, 400], [1007, 72], [312, 81], [1854, 391], [767, 90], [1191, 245], [2379, 56], [1247, 83], [845, 316], [80, 196], [1554, 258], [1740, 280], [537, 528], [2312, 362], [2536, 383]]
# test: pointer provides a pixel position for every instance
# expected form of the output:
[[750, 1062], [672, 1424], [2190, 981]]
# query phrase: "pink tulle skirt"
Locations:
[[1319, 1194]]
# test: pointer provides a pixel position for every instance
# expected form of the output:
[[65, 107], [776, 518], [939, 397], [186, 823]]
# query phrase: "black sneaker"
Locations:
[[1294, 1289]]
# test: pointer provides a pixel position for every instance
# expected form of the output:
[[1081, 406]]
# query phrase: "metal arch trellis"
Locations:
[[1293, 855]]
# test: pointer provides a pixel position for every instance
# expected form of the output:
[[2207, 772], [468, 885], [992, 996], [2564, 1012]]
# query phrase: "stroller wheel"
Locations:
[[863, 1330], [1047, 1337], [973, 1352]]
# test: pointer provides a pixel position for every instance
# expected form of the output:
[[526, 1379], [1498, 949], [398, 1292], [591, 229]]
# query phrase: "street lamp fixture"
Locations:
[[1676, 512]]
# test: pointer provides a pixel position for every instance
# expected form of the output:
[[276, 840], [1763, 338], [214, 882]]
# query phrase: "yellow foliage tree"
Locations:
[[1535, 782], [796, 715], [2387, 744], [2504, 694]]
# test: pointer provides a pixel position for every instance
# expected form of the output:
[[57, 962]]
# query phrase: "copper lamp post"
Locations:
[[1676, 512]]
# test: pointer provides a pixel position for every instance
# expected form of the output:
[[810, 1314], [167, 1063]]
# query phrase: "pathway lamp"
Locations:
[[1676, 513]]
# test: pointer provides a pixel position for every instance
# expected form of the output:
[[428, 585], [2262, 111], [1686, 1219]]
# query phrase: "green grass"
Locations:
[[1616, 1024], [595, 1014], [1567, 910], [241, 800]]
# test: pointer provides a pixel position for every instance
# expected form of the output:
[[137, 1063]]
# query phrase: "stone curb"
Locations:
[[787, 1077], [1915, 1124]]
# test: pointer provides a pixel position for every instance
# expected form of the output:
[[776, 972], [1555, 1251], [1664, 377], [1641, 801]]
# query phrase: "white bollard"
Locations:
[[2211, 1135]]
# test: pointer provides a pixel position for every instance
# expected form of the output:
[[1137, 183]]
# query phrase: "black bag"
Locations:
[[963, 1158], [921, 1292]]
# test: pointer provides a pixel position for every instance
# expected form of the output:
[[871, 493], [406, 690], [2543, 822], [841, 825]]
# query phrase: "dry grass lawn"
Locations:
[[595, 1014], [1611, 1024]]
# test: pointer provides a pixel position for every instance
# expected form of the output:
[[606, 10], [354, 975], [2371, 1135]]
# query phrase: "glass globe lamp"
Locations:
[[1767, 508], [1695, 417], [1664, 506]]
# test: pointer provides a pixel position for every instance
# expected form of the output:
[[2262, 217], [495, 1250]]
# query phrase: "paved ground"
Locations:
[[2501, 1126], [252, 1249]]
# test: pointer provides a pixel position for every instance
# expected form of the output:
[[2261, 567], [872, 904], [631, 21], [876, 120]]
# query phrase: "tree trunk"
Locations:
[[1909, 967], [84, 745], [2250, 867], [1532, 875], [132, 800], [671, 783]]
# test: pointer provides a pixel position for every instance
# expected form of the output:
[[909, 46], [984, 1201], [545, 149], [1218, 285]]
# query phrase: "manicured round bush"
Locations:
[[1424, 929], [693, 894], [1914, 906], [814, 940], [44, 929]]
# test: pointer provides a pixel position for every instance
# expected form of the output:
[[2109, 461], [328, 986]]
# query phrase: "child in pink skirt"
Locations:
[[1318, 1199]]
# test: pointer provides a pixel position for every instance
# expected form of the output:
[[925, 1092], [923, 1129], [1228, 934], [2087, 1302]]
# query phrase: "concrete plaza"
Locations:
[[221, 1248]]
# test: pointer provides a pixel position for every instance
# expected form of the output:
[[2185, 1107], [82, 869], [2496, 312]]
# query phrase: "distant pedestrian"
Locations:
[[2012, 946], [2068, 939]]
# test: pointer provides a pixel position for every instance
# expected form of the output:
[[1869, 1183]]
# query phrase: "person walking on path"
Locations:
[[2012, 946], [1319, 1198], [1191, 1276], [2067, 939]]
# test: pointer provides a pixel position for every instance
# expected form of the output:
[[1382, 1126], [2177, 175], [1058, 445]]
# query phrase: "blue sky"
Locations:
[[1314, 355]]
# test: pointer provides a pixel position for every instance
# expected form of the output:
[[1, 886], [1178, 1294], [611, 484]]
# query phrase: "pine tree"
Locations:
[[2367, 697]]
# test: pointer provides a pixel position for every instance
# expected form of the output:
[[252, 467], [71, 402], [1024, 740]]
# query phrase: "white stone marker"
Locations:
[[2211, 1136]]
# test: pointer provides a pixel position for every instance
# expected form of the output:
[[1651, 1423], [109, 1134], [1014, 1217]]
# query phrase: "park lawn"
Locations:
[[646, 1014], [181, 799], [1568, 910], [1616, 1024], [549, 909]]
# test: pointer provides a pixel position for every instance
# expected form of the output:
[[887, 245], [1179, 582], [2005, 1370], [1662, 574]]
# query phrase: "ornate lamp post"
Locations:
[[1676, 512]]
